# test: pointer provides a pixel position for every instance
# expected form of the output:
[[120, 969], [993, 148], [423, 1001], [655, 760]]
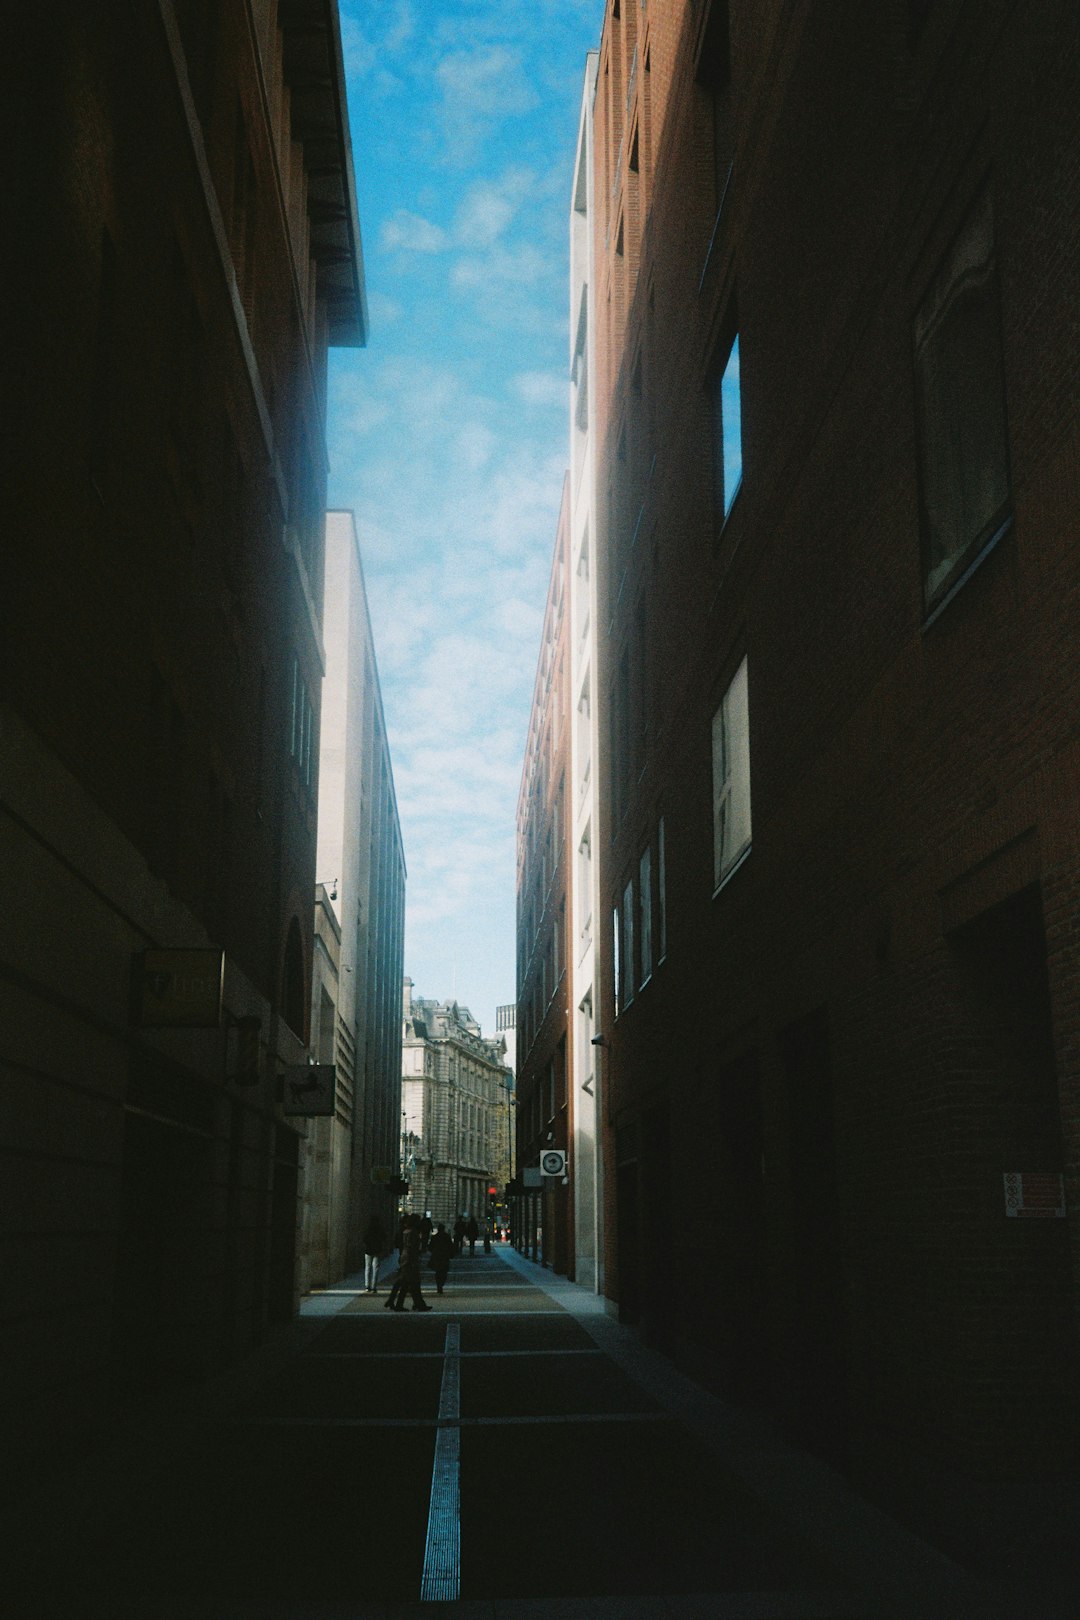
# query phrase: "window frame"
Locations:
[[733, 753]]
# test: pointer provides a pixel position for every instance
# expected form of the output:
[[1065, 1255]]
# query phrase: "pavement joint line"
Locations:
[[300, 1421], [437, 1355], [441, 1579]]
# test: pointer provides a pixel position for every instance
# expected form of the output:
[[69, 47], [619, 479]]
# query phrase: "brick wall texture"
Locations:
[[814, 1100]]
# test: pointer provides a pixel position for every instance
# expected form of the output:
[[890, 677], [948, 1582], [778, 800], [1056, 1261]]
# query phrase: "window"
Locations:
[[727, 430], [731, 778], [302, 728], [645, 901], [661, 894], [960, 397], [628, 943], [616, 961]]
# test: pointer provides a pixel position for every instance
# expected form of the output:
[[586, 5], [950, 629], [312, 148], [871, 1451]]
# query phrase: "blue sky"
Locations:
[[448, 433]]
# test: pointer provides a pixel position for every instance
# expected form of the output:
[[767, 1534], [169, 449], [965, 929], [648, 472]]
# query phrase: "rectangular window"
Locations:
[[628, 943], [960, 396], [661, 894], [727, 430], [731, 778], [616, 960], [302, 728], [645, 901]]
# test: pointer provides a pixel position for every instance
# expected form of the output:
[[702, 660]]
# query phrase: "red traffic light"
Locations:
[[492, 1191]]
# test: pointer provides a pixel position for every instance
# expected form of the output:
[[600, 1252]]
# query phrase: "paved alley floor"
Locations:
[[511, 1452]]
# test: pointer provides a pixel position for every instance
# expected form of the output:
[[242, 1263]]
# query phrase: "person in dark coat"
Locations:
[[425, 1233], [442, 1247], [472, 1232], [375, 1247], [459, 1233], [407, 1280]]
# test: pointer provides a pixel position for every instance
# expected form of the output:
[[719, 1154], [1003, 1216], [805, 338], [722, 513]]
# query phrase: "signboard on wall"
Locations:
[[309, 1090], [553, 1162], [1034, 1196], [179, 989]]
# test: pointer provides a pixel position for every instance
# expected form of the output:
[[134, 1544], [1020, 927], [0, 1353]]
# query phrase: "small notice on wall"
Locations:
[[1035, 1196]]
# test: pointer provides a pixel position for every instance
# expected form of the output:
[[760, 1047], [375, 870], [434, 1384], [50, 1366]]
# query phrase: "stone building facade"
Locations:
[[837, 411], [456, 1101], [356, 1024], [179, 182]]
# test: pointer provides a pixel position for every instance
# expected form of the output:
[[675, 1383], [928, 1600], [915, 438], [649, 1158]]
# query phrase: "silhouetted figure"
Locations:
[[472, 1232], [407, 1280], [442, 1247], [459, 1233], [375, 1248], [425, 1232]]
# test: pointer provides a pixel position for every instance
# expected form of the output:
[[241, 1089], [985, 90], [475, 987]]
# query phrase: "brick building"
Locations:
[[178, 179], [836, 411], [545, 1106]]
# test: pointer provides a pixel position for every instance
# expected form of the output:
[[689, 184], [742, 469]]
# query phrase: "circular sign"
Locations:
[[552, 1163]]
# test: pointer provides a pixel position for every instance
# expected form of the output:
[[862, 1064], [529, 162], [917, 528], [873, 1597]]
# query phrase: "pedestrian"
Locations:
[[459, 1233], [472, 1232], [425, 1233], [442, 1247], [375, 1249], [407, 1280]]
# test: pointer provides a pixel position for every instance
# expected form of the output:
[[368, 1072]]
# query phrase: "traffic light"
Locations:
[[493, 1195], [398, 1186]]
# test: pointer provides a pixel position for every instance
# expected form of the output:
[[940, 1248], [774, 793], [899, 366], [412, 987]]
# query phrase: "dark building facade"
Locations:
[[837, 404], [544, 1223], [178, 181]]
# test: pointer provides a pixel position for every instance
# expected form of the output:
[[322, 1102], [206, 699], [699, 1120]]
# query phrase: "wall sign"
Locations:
[[1034, 1196]]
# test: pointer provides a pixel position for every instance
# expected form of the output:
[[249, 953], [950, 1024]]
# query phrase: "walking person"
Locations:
[[472, 1232], [459, 1233], [442, 1247], [407, 1280], [375, 1249]]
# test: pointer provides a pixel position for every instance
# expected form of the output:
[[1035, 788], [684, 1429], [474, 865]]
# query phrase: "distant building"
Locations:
[[456, 1099], [545, 1106], [183, 198], [360, 853]]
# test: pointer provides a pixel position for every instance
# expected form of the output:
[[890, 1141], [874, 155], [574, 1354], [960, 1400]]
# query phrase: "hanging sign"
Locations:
[[309, 1090], [553, 1162]]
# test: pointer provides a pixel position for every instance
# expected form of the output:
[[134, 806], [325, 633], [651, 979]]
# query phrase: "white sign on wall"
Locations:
[[553, 1162]]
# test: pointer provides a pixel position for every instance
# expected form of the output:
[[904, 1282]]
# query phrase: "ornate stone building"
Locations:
[[456, 1101]]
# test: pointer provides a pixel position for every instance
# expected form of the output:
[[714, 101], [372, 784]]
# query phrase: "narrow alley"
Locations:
[[360, 1465]]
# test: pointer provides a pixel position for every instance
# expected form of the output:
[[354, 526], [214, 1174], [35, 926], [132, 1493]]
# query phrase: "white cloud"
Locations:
[[481, 88], [413, 234], [541, 388], [384, 311]]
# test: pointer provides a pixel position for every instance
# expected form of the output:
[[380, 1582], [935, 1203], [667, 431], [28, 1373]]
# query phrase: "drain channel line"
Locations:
[[441, 1581]]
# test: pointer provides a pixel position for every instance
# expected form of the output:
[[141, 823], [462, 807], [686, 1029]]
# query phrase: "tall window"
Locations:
[[727, 430], [628, 943], [645, 903], [302, 728], [731, 778], [661, 894], [960, 394], [616, 960]]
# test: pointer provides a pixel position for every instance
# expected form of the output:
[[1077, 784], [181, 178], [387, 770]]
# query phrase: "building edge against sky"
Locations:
[[585, 933], [360, 907]]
